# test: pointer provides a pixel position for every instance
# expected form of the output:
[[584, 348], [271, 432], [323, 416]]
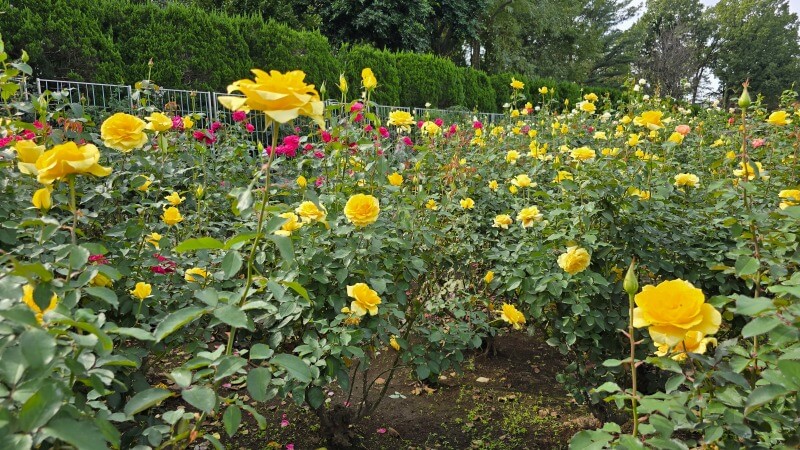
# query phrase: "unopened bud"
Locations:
[[744, 99], [150, 63], [631, 282]]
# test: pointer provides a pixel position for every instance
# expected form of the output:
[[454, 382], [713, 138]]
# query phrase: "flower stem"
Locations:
[[257, 239], [73, 208], [632, 339]]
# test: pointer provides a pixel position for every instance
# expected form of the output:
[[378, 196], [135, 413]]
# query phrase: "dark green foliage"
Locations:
[[383, 64], [478, 91], [425, 78]]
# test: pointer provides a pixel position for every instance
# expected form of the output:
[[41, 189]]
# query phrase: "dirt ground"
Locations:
[[507, 401]]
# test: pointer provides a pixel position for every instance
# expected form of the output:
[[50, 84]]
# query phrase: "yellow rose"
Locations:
[[102, 281], [575, 260], [467, 203], [393, 343], [590, 97], [342, 83], [142, 290], [778, 118], [146, 185], [643, 195], [512, 156], [583, 154], [153, 239], [633, 140], [27, 154], [431, 129], [543, 90], [27, 298], [675, 137], [528, 215], [124, 132], [516, 84], [199, 191], [513, 189], [515, 113], [693, 342], [292, 224], [493, 185], [189, 275], [400, 119], [562, 175], [747, 171], [672, 309], [172, 216], [488, 277], [301, 181], [365, 299], [368, 79], [511, 315], [791, 197], [67, 159], [686, 179], [587, 107], [309, 211], [174, 199], [522, 181], [362, 210], [42, 198], [431, 204], [610, 151], [502, 221], [600, 135], [280, 96], [395, 179], [188, 123], [649, 119], [625, 120], [158, 122]]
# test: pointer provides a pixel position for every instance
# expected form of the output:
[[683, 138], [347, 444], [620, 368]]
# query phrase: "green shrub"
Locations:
[[478, 91], [425, 78], [384, 66]]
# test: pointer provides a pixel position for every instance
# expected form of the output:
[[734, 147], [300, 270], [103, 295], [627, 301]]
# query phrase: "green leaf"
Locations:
[[209, 296], [232, 315], [285, 247], [315, 397], [746, 265], [78, 257], [260, 351], [102, 338], [39, 408], [663, 425], [748, 306], [295, 286], [760, 325], [763, 395], [258, 382], [176, 320], [201, 397], [590, 440], [146, 399], [83, 435], [182, 377], [204, 243], [104, 294], [260, 420], [232, 418], [231, 264], [32, 271], [136, 333], [241, 238], [791, 370], [38, 347], [296, 367], [229, 365]]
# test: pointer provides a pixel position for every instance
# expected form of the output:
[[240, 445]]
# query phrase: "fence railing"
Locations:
[[119, 97]]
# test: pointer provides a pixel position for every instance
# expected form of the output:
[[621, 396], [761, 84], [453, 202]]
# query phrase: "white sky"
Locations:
[[794, 6]]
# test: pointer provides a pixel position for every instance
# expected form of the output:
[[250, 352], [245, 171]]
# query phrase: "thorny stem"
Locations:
[[257, 239]]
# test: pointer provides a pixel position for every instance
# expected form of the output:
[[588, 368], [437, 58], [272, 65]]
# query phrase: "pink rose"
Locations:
[[326, 137], [250, 128], [356, 107], [439, 122], [239, 116], [683, 129], [407, 141]]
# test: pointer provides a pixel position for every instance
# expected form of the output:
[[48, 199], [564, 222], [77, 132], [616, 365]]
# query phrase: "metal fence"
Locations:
[[105, 98]]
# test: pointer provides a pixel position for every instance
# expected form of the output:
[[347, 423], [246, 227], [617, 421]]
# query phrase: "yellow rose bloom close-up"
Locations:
[[693, 342], [516, 84], [588, 107], [27, 154], [190, 274], [362, 210], [502, 221], [790, 197], [301, 181], [431, 204], [512, 156], [543, 90], [527, 216], [583, 154], [687, 179], [142, 290], [368, 80], [124, 132], [27, 298], [400, 119], [293, 223], [365, 300], [779, 118], [493, 185], [309, 211], [174, 199], [746, 170], [590, 97], [574, 260], [42, 198], [172, 216], [395, 179], [280, 96], [158, 122], [672, 309], [467, 203], [68, 159], [488, 277], [522, 181], [511, 315], [650, 119]]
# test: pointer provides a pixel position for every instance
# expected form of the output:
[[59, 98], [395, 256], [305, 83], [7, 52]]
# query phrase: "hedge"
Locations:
[[112, 41]]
